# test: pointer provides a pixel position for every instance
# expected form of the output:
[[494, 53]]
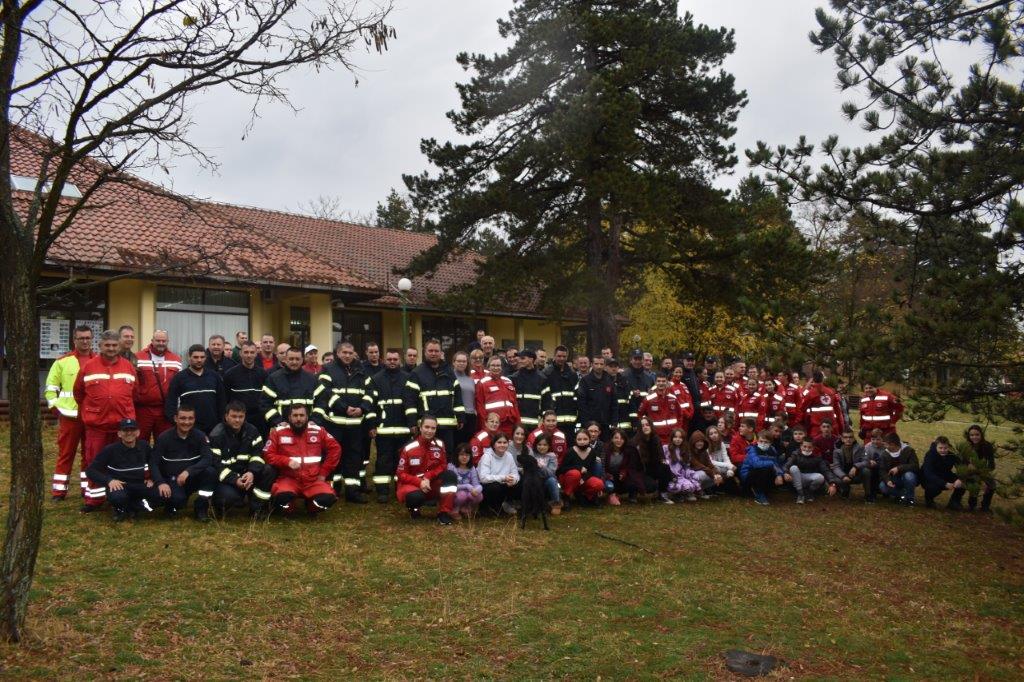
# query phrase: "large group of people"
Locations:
[[272, 428]]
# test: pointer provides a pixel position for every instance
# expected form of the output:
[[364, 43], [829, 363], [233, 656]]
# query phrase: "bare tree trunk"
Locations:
[[25, 505], [602, 262]]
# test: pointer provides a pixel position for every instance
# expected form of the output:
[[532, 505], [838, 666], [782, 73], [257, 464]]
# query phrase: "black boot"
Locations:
[[986, 500], [955, 498], [355, 495], [202, 510]]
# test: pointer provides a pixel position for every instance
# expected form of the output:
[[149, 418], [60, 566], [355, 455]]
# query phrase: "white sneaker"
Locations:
[[665, 498], [508, 508], [691, 498], [705, 496], [799, 499]]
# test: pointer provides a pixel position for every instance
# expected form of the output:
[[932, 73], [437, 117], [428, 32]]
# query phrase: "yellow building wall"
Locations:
[[320, 319], [502, 329], [548, 333], [125, 298], [391, 329], [132, 301]]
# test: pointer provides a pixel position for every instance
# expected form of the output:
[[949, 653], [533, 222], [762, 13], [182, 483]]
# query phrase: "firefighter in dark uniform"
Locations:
[[387, 421], [531, 386], [595, 398], [290, 385], [561, 381], [242, 475], [640, 382], [343, 398], [434, 389], [622, 395]]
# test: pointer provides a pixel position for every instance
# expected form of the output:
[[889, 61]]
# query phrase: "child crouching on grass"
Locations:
[[684, 480], [469, 493], [547, 461], [760, 469]]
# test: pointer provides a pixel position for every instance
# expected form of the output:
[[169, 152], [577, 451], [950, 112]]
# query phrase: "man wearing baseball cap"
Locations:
[[121, 469], [310, 363]]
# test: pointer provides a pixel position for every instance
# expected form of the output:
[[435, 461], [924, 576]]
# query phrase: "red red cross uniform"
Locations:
[[317, 454], [881, 412], [425, 460], [499, 396], [105, 392], [664, 413], [818, 403]]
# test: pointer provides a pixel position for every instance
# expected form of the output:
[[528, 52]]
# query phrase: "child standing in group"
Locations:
[[683, 479], [469, 492]]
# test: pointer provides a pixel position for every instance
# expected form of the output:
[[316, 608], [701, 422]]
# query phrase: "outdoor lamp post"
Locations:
[[404, 286]]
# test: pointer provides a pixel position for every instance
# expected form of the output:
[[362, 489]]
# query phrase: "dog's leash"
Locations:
[[624, 542]]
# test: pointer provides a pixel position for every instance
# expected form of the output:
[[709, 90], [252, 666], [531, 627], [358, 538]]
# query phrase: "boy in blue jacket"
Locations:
[[760, 469]]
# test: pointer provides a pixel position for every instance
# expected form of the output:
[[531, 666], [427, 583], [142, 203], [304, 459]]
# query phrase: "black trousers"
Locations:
[[761, 480], [495, 494], [228, 496], [446, 434], [133, 497], [639, 486], [954, 496], [867, 477], [352, 470], [388, 448], [203, 485], [465, 434]]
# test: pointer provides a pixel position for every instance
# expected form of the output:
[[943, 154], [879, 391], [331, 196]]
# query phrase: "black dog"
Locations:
[[532, 498]]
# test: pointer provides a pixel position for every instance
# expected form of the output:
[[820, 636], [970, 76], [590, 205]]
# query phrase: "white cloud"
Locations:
[[355, 142]]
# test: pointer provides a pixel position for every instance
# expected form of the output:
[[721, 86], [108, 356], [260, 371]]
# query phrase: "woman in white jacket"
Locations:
[[499, 475]]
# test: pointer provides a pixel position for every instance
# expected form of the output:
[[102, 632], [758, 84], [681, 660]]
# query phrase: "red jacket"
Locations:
[[421, 459], [818, 402], [685, 400], [317, 451], [775, 403], [705, 394], [105, 392], [738, 448], [498, 395], [792, 402], [559, 446], [724, 398], [880, 412], [664, 413], [153, 380], [479, 443], [753, 406]]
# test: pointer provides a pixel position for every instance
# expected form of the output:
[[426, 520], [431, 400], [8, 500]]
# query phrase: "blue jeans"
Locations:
[[904, 488], [554, 492], [609, 486]]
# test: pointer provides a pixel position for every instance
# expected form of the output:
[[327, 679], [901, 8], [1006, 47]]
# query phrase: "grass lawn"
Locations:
[[836, 588]]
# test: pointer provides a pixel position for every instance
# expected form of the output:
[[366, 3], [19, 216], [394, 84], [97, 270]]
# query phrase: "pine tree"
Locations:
[[592, 142], [938, 189]]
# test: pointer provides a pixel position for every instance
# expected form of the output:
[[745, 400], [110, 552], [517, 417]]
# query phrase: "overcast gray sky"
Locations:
[[354, 142]]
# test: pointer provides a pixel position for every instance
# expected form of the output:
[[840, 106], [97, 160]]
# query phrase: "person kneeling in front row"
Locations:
[[121, 469], [423, 473], [245, 478], [181, 463], [304, 455]]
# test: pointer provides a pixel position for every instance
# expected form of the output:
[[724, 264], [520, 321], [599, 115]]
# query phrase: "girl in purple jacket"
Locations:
[[683, 480], [469, 493]]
